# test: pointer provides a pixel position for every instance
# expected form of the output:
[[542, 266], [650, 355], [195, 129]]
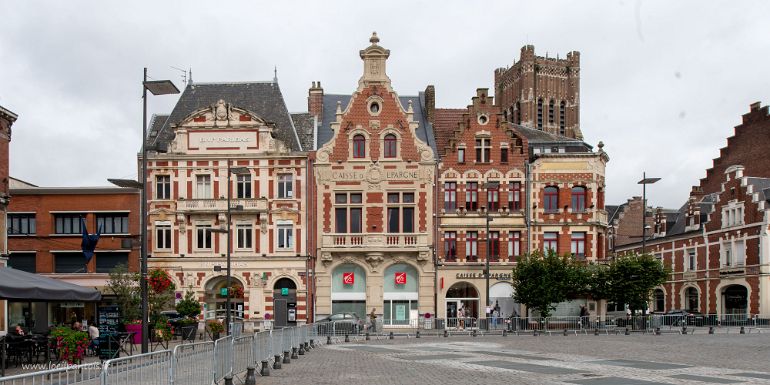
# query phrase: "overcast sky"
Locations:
[[662, 83]]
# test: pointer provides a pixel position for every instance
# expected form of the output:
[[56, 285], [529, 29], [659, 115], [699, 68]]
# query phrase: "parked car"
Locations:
[[681, 317], [344, 323]]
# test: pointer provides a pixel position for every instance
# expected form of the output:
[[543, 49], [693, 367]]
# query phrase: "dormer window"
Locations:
[[359, 146]]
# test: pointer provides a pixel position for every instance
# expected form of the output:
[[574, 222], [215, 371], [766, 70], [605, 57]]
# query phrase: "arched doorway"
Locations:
[[659, 298], [349, 289], [284, 302], [216, 298], [691, 299], [735, 299], [400, 294], [501, 295], [462, 295]]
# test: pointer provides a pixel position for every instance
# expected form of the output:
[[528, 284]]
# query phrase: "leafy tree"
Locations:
[[541, 281], [189, 306], [125, 286], [632, 277]]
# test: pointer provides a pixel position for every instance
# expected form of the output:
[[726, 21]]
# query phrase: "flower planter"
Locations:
[[137, 330]]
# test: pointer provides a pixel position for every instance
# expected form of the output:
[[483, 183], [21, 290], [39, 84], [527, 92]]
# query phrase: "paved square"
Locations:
[[527, 367], [713, 380]]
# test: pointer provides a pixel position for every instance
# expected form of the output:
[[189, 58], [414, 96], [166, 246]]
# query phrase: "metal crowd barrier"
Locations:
[[262, 343], [149, 368], [242, 354], [223, 358], [193, 364], [85, 374]]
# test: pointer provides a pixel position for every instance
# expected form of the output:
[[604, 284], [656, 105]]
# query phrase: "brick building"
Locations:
[[541, 92], [44, 237], [374, 173], [537, 189], [7, 118], [244, 134], [716, 243]]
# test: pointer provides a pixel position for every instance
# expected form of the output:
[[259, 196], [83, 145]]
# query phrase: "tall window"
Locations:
[[691, 260], [285, 235], [461, 155], [692, 299], [116, 223], [540, 113], [740, 253], [472, 196], [551, 242], [514, 196], [514, 245], [450, 196], [471, 246], [244, 234], [359, 146], [551, 105], [578, 245], [660, 300], [401, 212], [67, 223], [243, 188], [562, 118], [163, 236], [21, 224], [203, 187], [391, 146], [494, 246], [347, 212], [163, 187], [551, 199], [483, 148], [578, 199], [493, 197], [450, 246], [504, 155], [285, 186], [203, 237]]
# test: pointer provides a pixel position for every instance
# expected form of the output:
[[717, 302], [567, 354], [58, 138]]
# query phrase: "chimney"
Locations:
[[315, 100], [430, 103]]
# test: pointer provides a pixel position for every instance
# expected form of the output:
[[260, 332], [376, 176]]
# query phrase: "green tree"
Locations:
[[541, 281], [189, 306], [125, 286], [632, 277]]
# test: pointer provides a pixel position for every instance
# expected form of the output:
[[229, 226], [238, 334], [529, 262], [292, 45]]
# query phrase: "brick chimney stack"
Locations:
[[315, 100]]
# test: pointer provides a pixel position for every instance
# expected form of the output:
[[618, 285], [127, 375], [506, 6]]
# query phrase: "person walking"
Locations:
[[584, 316], [461, 318], [373, 321]]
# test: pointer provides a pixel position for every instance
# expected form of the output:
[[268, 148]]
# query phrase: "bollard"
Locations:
[[328, 340], [743, 330], [534, 333], [565, 332], [657, 331], [307, 347], [294, 354], [301, 350], [596, 331], [347, 338], [505, 333], [277, 362], [446, 334], [367, 336], [312, 343], [684, 329], [390, 336], [286, 357], [711, 330], [265, 371], [251, 377], [228, 380], [417, 335], [474, 332], [628, 332]]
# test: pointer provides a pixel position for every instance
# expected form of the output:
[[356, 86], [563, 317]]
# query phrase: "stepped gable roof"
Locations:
[[305, 126], [262, 98], [424, 129], [444, 125]]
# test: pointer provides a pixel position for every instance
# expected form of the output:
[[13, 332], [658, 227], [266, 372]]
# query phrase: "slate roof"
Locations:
[[304, 123], [424, 129], [262, 98], [537, 136], [444, 124], [613, 211]]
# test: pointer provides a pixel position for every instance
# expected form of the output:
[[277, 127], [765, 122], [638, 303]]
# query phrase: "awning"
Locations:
[[20, 285]]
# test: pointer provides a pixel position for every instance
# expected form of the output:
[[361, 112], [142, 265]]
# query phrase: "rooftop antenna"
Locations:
[[184, 77], [275, 75]]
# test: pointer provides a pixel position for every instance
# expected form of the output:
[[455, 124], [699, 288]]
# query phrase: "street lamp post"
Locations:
[[644, 182], [156, 87]]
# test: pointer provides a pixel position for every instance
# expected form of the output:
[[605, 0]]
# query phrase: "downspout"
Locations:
[[528, 204]]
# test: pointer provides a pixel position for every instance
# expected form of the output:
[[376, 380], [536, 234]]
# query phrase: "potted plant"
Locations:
[[215, 327], [189, 308], [70, 344], [159, 281], [162, 330]]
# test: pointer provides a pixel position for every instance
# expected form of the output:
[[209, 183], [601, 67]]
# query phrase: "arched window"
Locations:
[[551, 199], [578, 199], [551, 105], [691, 299], [540, 113], [562, 118], [359, 146], [391, 146], [660, 300]]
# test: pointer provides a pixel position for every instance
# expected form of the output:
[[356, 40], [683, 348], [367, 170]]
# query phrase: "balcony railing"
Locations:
[[375, 240], [220, 205]]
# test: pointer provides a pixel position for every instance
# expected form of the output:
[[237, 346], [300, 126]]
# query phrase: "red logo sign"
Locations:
[[348, 278], [401, 278]]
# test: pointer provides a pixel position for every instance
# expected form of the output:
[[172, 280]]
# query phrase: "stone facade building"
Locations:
[[7, 118], [241, 133], [374, 174], [716, 243]]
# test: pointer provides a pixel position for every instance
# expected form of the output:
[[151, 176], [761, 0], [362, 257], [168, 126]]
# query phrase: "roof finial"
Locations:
[[189, 77], [275, 75], [374, 39]]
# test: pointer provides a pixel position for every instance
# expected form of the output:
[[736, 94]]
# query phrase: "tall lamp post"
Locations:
[[156, 87], [230, 171], [644, 182], [488, 186]]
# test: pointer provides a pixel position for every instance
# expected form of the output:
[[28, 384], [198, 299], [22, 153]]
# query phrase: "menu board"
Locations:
[[109, 318]]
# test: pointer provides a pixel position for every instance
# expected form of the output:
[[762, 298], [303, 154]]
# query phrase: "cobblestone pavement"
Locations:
[[582, 359]]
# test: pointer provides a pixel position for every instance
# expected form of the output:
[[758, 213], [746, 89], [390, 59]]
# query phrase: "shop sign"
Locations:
[[72, 304], [481, 275], [284, 291], [401, 278], [223, 291], [348, 278]]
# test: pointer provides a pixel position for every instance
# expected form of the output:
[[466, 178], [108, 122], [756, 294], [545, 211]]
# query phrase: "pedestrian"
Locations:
[[461, 318], [584, 315], [93, 334], [373, 321]]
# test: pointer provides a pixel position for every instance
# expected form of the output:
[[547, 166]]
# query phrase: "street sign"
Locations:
[[217, 268], [223, 291], [285, 291]]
